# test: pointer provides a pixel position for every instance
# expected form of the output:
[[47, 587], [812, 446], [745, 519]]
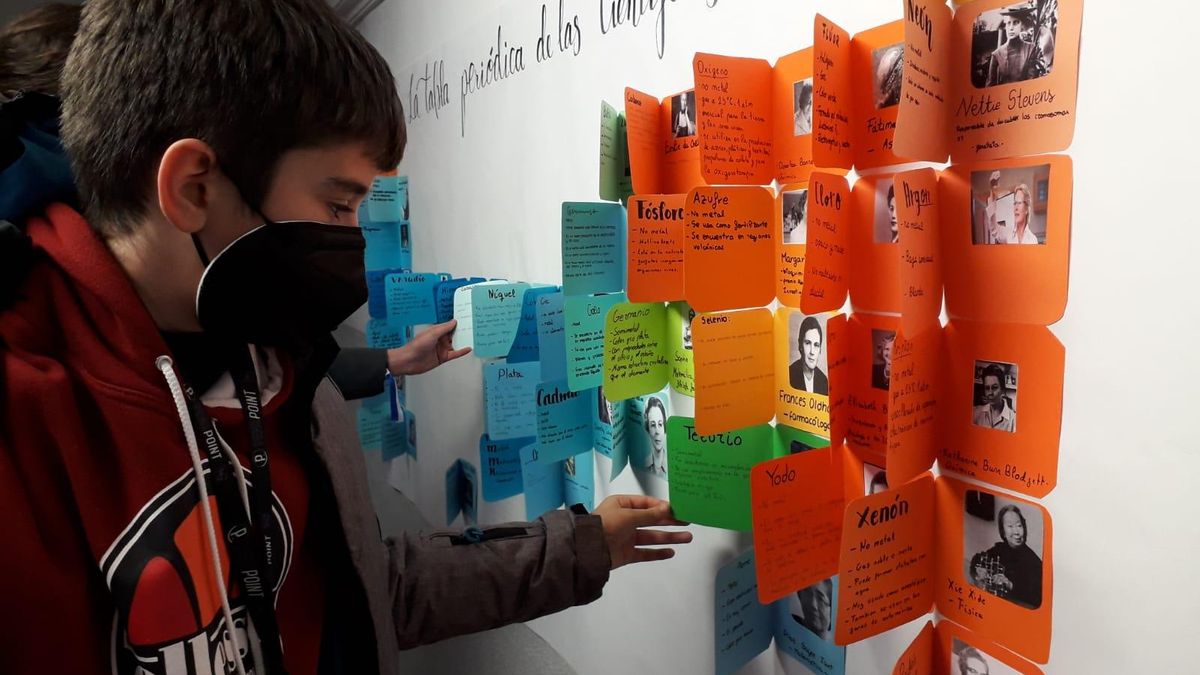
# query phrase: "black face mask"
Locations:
[[282, 283]]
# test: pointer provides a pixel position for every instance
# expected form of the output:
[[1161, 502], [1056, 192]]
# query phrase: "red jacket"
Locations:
[[98, 494]]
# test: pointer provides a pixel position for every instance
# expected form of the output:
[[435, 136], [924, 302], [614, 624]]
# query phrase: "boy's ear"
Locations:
[[187, 182]]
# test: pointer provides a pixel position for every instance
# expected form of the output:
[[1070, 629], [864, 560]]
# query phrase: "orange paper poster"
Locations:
[[1014, 67], [791, 212], [1006, 238], [655, 249], [1001, 412], [796, 506], [832, 95], [727, 256], [877, 67], [920, 249], [664, 148], [733, 97], [921, 131], [918, 658], [874, 243], [839, 364], [912, 368], [802, 371], [826, 258], [994, 566], [870, 345], [957, 650], [735, 373], [792, 89], [886, 564]]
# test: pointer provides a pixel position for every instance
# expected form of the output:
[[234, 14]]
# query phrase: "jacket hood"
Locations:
[[77, 306]]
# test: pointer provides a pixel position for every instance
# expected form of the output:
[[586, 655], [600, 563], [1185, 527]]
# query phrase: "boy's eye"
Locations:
[[336, 209]]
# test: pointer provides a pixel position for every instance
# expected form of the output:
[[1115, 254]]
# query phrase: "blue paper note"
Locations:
[[383, 201], [525, 345], [501, 466], [410, 297], [383, 245], [564, 421], [744, 627], [608, 432], [552, 336], [583, 316], [804, 628], [395, 439], [593, 248], [543, 483], [579, 480], [376, 294], [443, 296], [508, 392], [496, 313], [383, 335], [371, 415]]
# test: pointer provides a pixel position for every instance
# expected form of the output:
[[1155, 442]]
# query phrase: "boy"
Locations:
[[181, 494]]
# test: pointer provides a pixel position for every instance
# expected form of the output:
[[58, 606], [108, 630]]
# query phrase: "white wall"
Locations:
[[1126, 526]]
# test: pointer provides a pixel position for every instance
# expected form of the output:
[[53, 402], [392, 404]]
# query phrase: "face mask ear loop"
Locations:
[[200, 250]]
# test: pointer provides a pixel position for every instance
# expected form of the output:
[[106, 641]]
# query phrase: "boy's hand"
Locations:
[[623, 516], [429, 349]]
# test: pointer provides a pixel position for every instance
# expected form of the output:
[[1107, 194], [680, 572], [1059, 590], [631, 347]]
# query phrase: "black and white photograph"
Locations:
[[683, 114], [994, 403], [1002, 548], [412, 435], [1013, 43], [806, 354], [887, 230], [1008, 206], [603, 410], [569, 466], [882, 342], [654, 422], [802, 107], [812, 608], [686, 334], [795, 216], [874, 478], [405, 242], [887, 66], [967, 660]]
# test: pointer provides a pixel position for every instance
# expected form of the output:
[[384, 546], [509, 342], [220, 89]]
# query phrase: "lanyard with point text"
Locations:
[[248, 538]]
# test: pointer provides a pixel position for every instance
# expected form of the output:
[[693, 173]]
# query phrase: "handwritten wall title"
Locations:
[[505, 58]]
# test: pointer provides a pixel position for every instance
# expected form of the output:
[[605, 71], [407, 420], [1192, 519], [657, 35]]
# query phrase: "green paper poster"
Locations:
[[634, 359], [710, 475]]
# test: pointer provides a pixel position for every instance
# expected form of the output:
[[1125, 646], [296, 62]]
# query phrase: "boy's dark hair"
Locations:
[[34, 46], [252, 78]]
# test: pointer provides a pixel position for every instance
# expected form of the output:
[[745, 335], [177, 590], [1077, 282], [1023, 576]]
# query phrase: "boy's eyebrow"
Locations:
[[345, 184]]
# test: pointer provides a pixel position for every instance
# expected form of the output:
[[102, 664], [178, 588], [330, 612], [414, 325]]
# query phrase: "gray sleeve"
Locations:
[[447, 583], [359, 372]]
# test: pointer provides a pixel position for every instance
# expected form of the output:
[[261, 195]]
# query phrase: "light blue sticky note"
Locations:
[[383, 335], [744, 627], [500, 463], [496, 312], [443, 296], [564, 421], [583, 316], [464, 313], [543, 483], [579, 480], [552, 336], [376, 294], [371, 415], [383, 245], [410, 297], [383, 201], [508, 392], [804, 628], [593, 248], [525, 345], [395, 439]]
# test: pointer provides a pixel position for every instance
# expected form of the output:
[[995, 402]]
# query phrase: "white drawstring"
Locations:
[[185, 419]]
